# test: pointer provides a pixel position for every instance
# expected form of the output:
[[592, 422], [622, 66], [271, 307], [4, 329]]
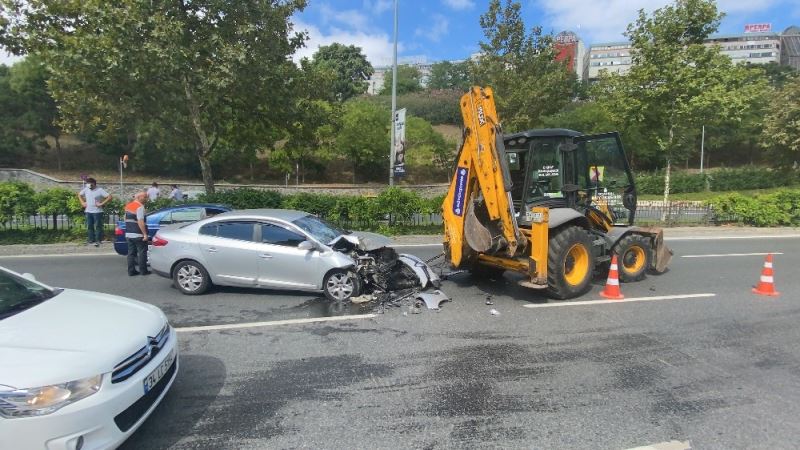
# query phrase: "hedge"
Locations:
[[717, 180], [780, 208]]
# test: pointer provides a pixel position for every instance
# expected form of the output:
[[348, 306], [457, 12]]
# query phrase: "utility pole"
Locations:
[[394, 99], [702, 148]]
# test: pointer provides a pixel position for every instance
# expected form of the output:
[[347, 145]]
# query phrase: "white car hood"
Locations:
[[364, 240], [74, 335]]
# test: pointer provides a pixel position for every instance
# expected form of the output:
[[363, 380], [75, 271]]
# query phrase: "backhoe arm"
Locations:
[[477, 211]]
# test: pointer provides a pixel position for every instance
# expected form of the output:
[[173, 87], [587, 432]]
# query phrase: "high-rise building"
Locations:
[[757, 45], [569, 47], [613, 57], [790, 47]]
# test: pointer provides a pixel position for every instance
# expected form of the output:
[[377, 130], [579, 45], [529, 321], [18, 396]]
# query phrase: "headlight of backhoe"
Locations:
[[46, 399]]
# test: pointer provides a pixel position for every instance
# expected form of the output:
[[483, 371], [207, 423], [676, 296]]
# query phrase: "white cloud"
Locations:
[[377, 47], [606, 20], [349, 18], [378, 6], [7, 58], [434, 32], [460, 4]]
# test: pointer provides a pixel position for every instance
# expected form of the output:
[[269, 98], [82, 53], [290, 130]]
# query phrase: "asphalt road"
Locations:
[[719, 371]]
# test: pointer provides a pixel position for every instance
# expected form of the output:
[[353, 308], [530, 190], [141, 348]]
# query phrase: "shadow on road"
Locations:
[[200, 380]]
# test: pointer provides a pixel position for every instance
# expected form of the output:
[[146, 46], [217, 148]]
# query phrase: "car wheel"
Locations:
[[340, 285], [191, 278]]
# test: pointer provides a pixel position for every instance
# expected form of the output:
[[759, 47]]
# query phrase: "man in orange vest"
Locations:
[[136, 235]]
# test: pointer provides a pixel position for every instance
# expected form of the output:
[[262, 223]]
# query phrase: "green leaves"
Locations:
[[781, 135], [349, 67]]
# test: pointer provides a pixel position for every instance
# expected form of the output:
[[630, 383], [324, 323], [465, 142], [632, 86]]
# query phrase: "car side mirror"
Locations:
[[306, 245], [28, 276]]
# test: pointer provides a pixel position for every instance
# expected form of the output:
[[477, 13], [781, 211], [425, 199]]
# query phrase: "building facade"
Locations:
[[613, 57]]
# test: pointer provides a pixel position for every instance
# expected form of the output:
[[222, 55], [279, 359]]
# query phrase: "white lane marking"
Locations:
[[612, 302], [714, 238], [671, 445], [730, 254], [51, 255], [272, 323]]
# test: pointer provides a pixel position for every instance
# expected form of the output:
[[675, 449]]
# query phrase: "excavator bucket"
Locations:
[[478, 236]]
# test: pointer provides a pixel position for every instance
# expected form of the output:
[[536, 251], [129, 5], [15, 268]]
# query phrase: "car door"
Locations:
[[229, 250], [282, 264], [608, 175]]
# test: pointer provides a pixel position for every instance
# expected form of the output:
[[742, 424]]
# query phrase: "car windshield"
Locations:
[[320, 229], [18, 294]]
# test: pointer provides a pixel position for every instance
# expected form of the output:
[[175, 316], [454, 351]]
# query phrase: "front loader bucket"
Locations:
[[662, 253]]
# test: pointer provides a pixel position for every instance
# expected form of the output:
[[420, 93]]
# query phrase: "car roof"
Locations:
[[543, 132], [190, 205], [288, 215]]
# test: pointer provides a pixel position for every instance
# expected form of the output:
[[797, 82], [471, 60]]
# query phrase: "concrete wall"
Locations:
[[42, 182]]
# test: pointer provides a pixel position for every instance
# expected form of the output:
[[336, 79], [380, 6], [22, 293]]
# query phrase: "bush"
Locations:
[[244, 198], [780, 208], [16, 199], [717, 180]]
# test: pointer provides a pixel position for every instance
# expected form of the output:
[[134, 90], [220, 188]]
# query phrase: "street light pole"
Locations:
[[394, 99]]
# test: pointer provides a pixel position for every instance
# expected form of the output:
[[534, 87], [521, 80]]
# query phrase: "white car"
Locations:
[[78, 369]]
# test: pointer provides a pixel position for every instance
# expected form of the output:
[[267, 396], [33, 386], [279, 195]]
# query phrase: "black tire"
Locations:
[[634, 256], [191, 278], [570, 262], [341, 285], [483, 272]]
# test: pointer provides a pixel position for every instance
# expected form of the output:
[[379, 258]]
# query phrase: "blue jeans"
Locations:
[[94, 223]]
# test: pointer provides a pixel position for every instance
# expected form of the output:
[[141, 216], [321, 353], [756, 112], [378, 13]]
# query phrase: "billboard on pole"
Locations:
[[399, 150]]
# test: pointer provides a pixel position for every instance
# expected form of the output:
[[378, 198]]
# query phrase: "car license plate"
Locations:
[[155, 376]]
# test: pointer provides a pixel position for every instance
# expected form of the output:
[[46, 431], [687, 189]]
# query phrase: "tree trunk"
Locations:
[[205, 168], [58, 150], [202, 144], [354, 172], [666, 190]]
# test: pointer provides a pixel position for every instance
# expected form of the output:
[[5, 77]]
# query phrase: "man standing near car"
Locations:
[[136, 234], [93, 199]]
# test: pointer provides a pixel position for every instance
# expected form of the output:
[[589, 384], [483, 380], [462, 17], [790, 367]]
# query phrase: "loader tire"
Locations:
[[634, 256], [570, 262]]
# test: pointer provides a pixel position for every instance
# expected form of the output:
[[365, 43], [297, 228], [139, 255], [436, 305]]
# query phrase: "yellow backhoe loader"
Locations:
[[552, 204]]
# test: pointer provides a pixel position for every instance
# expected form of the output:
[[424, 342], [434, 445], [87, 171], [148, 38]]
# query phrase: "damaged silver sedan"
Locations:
[[283, 249]]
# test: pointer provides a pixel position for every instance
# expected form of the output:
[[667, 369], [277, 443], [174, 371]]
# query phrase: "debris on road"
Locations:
[[494, 312], [433, 299]]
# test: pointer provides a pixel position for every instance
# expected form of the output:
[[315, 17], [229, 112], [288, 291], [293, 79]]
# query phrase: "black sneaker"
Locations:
[[133, 274]]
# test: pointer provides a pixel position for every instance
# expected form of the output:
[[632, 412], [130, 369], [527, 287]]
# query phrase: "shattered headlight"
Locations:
[[45, 400]]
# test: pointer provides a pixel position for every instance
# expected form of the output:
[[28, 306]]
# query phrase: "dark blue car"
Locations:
[[182, 213]]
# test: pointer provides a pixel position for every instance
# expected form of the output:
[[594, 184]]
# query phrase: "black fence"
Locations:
[[54, 222], [647, 213]]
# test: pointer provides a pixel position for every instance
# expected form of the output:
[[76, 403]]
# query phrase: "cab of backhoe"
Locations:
[[561, 168]]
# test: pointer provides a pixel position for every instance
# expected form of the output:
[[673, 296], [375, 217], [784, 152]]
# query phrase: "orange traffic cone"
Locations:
[[611, 290], [766, 285]]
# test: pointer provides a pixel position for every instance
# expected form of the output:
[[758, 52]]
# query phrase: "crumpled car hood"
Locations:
[[363, 240]]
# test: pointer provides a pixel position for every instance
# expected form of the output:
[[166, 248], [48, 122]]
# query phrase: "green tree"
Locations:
[[409, 80], [449, 75], [781, 135], [350, 67], [676, 83], [15, 147], [28, 79], [521, 67], [364, 138], [202, 69]]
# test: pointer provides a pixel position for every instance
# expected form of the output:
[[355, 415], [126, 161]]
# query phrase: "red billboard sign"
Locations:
[[758, 28]]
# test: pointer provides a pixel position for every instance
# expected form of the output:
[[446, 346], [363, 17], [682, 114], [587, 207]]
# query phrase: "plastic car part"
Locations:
[[433, 299]]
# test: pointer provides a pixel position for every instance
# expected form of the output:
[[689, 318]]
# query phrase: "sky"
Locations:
[[436, 30]]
